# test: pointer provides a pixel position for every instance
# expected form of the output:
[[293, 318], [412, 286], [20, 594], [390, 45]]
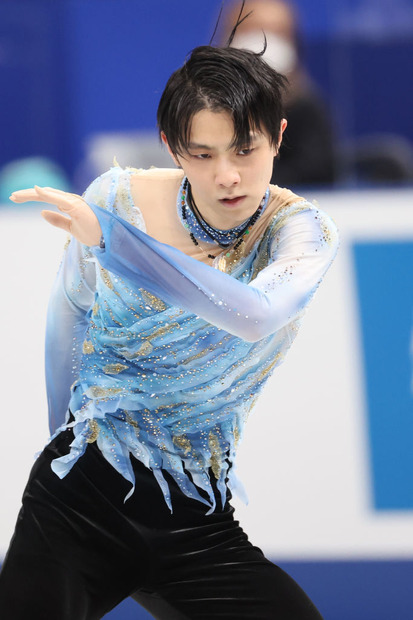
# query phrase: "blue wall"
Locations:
[[74, 67], [341, 590], [386, 314]]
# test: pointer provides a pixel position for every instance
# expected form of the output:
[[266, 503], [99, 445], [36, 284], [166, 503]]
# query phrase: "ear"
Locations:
[[283, 127], [166, 143]]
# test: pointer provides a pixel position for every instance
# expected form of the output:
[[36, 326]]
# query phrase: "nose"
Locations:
[[226, 174]]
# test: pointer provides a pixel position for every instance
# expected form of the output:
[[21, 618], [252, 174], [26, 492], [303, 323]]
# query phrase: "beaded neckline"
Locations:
[[200, 230]]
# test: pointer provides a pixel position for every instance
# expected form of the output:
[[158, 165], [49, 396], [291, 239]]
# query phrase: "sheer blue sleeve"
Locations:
[[303, 245], [71, 297]]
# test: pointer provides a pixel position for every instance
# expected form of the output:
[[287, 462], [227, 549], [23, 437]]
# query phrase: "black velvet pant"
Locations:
[[78, 550]]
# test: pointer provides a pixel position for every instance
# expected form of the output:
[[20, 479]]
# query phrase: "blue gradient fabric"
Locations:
[[161, 356]]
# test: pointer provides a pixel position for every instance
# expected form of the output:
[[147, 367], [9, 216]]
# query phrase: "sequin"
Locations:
[[327, 237], [67, 243]]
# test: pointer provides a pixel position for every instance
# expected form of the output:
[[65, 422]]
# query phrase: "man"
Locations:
[[179, 292]]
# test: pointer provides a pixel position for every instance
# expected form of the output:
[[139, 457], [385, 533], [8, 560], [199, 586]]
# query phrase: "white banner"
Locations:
[[306, 459]]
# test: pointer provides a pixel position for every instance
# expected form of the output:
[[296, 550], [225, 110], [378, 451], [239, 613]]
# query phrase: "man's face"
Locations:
[[227, 184]]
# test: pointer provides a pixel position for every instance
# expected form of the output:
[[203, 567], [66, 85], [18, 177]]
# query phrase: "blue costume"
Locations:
[[166, 354]]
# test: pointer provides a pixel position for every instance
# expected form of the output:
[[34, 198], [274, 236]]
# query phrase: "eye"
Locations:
[[201, 156], [246, 151]]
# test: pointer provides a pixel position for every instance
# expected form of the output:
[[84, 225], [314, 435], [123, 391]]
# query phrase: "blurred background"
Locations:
[[82, 78], [328, 457]]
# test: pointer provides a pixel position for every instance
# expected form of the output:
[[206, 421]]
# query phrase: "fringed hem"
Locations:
[[189, 459]]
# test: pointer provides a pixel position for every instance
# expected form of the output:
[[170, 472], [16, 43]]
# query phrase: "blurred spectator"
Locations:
[[377, 158], [307, 153]]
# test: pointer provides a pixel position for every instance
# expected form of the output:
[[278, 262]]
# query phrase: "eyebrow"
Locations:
[[196, 145]]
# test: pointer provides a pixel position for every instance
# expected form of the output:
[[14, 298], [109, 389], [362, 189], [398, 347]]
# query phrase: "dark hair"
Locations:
[[227, 79]]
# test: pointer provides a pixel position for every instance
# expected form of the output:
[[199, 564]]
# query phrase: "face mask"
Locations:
[[280, 53]]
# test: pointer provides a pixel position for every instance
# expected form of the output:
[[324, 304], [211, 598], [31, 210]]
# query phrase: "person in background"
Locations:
[[307, 154]]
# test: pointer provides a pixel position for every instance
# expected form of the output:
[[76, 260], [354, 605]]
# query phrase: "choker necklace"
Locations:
[[198, 228]]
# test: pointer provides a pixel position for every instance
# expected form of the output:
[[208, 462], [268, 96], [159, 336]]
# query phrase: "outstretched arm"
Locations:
[[302, 251]]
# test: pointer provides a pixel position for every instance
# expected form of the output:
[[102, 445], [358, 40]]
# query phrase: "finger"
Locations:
[[65, 201], [37, 194], [58, 220], [58, 192], [54, 193], [24, 195], [51, 195]]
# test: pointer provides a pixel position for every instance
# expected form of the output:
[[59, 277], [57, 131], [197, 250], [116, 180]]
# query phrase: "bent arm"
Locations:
[[67, 322], [302, 250]]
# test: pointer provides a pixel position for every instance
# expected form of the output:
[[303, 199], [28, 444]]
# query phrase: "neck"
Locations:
[[205, 224], [225, 221], [202, 230], [222, 222]]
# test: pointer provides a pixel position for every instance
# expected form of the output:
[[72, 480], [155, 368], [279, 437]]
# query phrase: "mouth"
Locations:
[[232, 202]]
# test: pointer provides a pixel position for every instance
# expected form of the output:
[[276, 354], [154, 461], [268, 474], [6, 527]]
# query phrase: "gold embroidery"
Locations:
[[106, 278], [109, 311], [251, 407], [227, 263], [209, 349], [144, 349], [94, 431], [133, 423], [95, 308], [114, 369], [123, 204], [237, 435], [216, 456], [67, 243], [276, 223], [198, 355], [166, 329], [270, 367], [152, 301], [182, 442], [222, 263], [88, 347], [100, 392]]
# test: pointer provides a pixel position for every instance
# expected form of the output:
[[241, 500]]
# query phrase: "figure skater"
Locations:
[[179, 293]]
